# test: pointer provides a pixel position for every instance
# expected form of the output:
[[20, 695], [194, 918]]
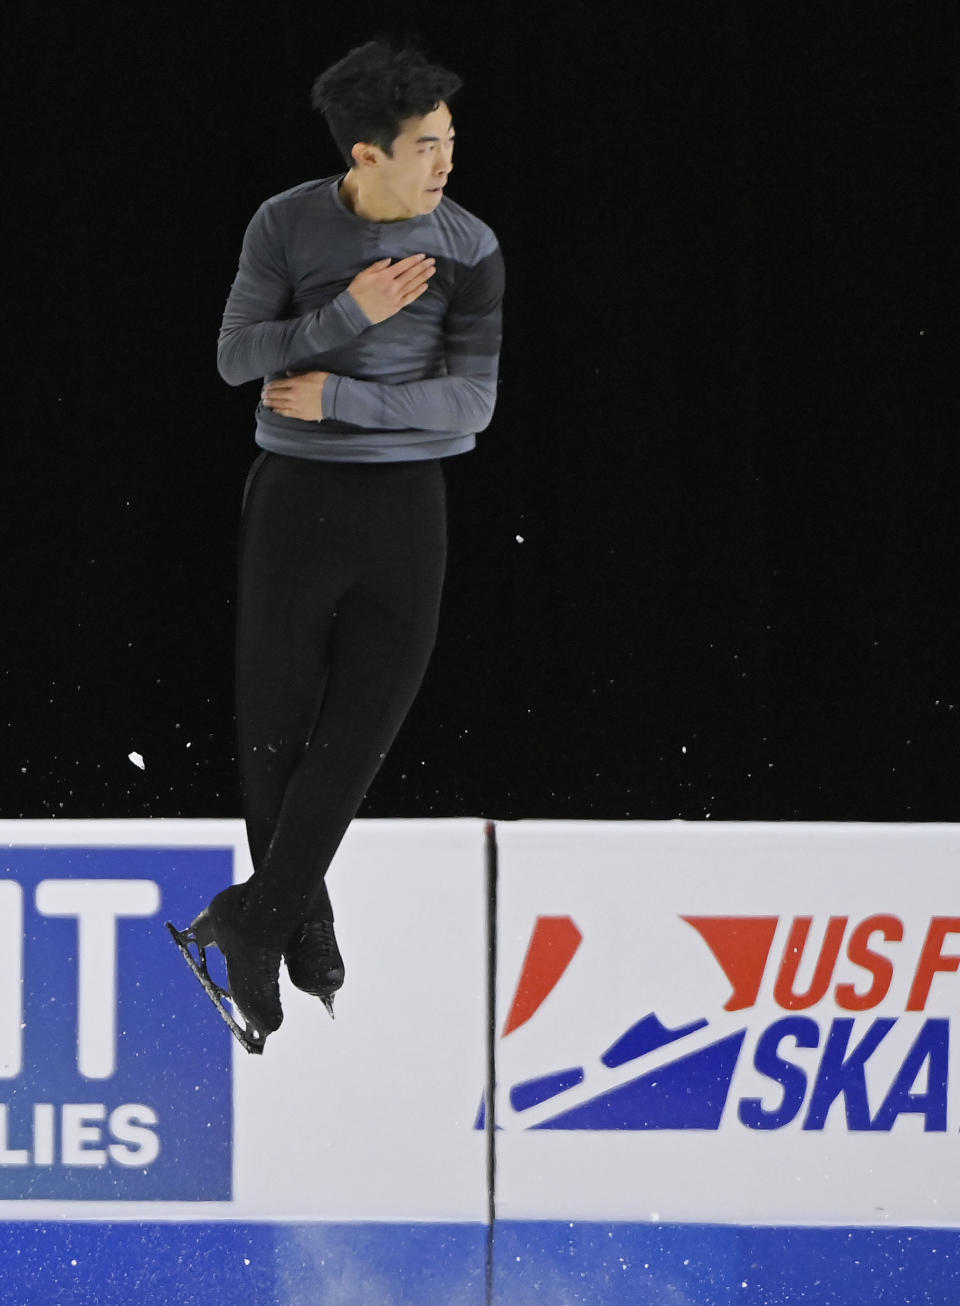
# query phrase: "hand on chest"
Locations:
[[321, 283]]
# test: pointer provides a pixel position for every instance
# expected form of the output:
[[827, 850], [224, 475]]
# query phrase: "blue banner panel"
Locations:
[[588, 1264], [115, 1074], [560, 1264], [89, 1264]]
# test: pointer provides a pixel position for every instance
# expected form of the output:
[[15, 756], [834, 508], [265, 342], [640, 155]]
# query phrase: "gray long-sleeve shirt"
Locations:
[[420, 384]]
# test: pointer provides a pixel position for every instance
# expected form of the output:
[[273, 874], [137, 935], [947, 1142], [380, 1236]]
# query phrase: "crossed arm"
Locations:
[[256, 340], [380, 290]]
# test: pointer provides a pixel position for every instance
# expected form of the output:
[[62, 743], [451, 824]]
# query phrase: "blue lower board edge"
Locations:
[[576, 1264], [536, 1263]]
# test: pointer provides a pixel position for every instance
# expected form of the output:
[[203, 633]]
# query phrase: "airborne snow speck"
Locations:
[[137, 760]]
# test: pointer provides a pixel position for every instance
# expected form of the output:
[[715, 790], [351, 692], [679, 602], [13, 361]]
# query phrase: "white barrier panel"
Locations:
[[122, 1095], [728, 1022], [369, 1116]]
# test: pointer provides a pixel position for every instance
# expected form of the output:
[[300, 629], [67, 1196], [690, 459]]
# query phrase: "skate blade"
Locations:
[[249, 1036]]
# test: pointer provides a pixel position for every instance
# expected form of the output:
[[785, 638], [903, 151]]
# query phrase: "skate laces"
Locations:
[[265, 964], [265, 961], [319, 932]]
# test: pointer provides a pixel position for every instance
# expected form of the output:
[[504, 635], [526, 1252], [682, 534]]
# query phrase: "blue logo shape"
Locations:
[[645, 1036], [534, 1091], [115, 1075], [689, 1093]]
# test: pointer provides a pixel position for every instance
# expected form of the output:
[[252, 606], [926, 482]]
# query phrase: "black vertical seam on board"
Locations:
[[490, 1095]]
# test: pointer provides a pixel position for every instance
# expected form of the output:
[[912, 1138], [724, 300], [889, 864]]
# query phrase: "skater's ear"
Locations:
[[365, 155]]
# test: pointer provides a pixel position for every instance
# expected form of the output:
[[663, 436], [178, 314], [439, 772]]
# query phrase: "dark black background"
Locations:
[[726, 432]]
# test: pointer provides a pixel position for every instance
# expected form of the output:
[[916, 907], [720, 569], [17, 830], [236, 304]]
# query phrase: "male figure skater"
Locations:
[[370, 304]]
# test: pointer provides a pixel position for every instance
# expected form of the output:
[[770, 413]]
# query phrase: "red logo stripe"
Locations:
[[554, 942]]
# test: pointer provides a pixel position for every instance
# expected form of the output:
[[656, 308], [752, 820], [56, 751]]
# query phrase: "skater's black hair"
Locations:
[[373, 89]]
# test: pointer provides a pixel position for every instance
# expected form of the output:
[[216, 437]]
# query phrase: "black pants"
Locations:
[[341, 571]]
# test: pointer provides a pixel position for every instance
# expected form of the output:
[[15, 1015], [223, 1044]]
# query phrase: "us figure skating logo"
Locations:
[[803, 1023], [112, 1083]]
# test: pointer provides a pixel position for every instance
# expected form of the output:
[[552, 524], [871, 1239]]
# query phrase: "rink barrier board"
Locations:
[[264, 1245], [728, 1024], [79, 1263], [384, 1096]]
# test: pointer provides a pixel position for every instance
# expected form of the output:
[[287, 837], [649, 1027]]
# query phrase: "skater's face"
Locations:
[[410, 182]]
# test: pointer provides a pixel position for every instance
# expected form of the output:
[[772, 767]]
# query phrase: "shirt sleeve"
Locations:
[[464, 399], [256, 340]]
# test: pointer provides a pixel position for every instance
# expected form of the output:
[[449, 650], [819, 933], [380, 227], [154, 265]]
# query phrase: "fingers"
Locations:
[[383, 289], [297, 395], [385, 265], [413, 266], [405, 264], [416, 276], [279, 394]]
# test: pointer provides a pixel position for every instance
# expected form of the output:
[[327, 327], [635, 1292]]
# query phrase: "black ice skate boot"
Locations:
[[252, 969], [313, 961]]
